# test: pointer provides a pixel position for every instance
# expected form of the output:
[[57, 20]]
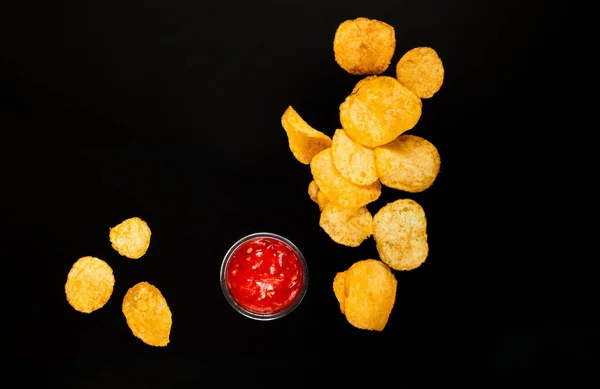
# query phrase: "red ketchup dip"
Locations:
[[264, 275]]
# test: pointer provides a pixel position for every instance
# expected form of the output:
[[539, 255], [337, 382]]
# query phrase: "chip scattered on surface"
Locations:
[[336, 188], [147, 314], [364, 46], [409, 163], [356, 163], [348, 227], [369, 294], [90, 284], [316, 195], [131, 238], [400, 233], [378, 110], [421, 70], [305, 142]]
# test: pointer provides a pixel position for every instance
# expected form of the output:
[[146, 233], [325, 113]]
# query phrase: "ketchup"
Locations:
[[264, 275]]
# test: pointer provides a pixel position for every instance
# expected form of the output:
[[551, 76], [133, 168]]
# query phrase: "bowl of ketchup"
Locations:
[[264, 276]]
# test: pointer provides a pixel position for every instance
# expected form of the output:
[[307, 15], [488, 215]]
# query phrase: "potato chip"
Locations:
[[409, 163], [90, 284], [336, 188], [305, 142], [348, 227], [400, 232], [364, 46], [356, 163], [379, 110], [369, 294], [421, 70], [147, 314], [339, 283], [313, 191], [131, 238], [316, 195]]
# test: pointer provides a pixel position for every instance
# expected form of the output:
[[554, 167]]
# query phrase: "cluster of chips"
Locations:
[[91, 281], [369, 152]]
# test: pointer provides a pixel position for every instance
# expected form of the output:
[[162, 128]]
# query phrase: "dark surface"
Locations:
[[171, 112]]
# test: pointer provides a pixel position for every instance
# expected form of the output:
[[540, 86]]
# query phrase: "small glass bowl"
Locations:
[[260, 316]]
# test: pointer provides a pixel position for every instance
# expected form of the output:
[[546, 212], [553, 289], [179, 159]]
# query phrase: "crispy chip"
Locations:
[[313, 191], [337, 189], [147, 314], [364, 46], [322, 200], [305, 142], [90, 284], [400, 232], [421, 70], [409, 163], [316, 195], [379, 110], [348, 227], [131, 238], [356, 163], [338, 288], [369, 294]]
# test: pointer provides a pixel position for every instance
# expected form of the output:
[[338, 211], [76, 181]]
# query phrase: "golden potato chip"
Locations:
[[409, 163], [356, 163], [90, 284], [131, 238], [379, 110], [369, 294], [313, 191], [147, 314], [400, 232], [348, 227], [339, 283], [336, 188], [364, 46], [421, 70], [316, 195], [322, 200], [305, 142]]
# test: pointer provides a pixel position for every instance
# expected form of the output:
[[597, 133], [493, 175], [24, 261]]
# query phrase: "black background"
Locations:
[[170, 111]]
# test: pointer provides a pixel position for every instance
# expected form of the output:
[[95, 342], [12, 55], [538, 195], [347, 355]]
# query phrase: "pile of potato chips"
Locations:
[[90, 284], [371, 151]]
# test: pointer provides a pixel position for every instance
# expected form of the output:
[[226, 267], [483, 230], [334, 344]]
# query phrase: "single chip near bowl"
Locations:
[[348, 227], [400, 233], [356, 163], [421, 70], [408, 163], [147, 314], [131, 238], [378, 110], [304, 141], [336, 188], [364, 46], [89, 285], [369, 294]]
